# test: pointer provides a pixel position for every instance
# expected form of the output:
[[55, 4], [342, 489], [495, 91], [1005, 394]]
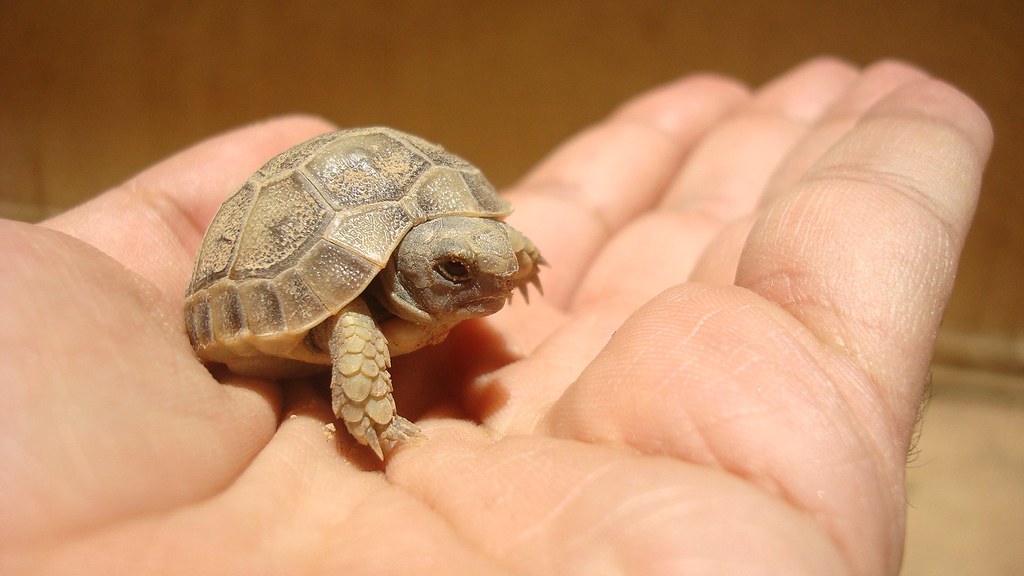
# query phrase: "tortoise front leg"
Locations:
[[361, 389], [530, 261]]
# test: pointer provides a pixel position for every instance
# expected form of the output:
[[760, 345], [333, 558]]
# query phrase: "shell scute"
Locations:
[[300, 305], [227, 315], [490, 204], [220, 241], [295, 156], [198, 321], [334, 274], [365, 170], [263, 311], [436, 154], [372, 233], [284, 221], [442, 191]]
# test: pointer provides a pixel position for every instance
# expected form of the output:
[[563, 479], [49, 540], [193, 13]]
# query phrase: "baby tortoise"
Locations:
[[348, 249]]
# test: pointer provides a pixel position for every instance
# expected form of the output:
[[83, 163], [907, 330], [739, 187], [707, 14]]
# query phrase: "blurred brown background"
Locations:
[[91, 92]]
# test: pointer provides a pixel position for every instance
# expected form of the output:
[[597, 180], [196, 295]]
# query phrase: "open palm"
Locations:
[[721, 377]]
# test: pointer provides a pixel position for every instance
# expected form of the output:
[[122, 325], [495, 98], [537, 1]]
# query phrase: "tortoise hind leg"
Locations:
[[361, 390]]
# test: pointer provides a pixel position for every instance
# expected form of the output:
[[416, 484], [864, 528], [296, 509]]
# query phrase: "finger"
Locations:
[[874, 83], [162, 213], [718, 263], [864, 249], [721, 180], [106, 412], [725, 176], [600, 180]]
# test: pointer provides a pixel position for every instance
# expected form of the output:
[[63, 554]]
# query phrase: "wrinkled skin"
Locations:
[[722, 376]]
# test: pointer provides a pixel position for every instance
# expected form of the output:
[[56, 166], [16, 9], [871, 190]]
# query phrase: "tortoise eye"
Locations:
[[454, 271]]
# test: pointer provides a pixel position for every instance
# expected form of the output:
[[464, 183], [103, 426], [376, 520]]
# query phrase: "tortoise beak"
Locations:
[[487, 305]]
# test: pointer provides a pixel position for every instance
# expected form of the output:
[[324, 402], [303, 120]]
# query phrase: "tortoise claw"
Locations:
[[401, 430], [370, 438], [524, 286]]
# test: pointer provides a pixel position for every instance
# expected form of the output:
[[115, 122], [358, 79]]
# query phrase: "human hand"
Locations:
[[722, 377]]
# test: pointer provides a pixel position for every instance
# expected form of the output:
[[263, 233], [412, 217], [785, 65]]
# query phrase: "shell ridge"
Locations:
[[319, 194]]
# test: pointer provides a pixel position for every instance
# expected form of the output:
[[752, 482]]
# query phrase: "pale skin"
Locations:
[[722, 376]]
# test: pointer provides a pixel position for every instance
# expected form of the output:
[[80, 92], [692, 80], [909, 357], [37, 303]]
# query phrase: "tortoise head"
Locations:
[[450, 269]]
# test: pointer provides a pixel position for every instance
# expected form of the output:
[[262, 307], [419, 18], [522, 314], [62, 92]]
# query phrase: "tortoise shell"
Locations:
[[308, 232]]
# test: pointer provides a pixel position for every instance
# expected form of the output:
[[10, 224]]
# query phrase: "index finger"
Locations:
[[609, 174], [154, 222]]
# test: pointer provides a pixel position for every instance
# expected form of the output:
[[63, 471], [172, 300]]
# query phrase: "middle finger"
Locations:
[[722, 181]]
